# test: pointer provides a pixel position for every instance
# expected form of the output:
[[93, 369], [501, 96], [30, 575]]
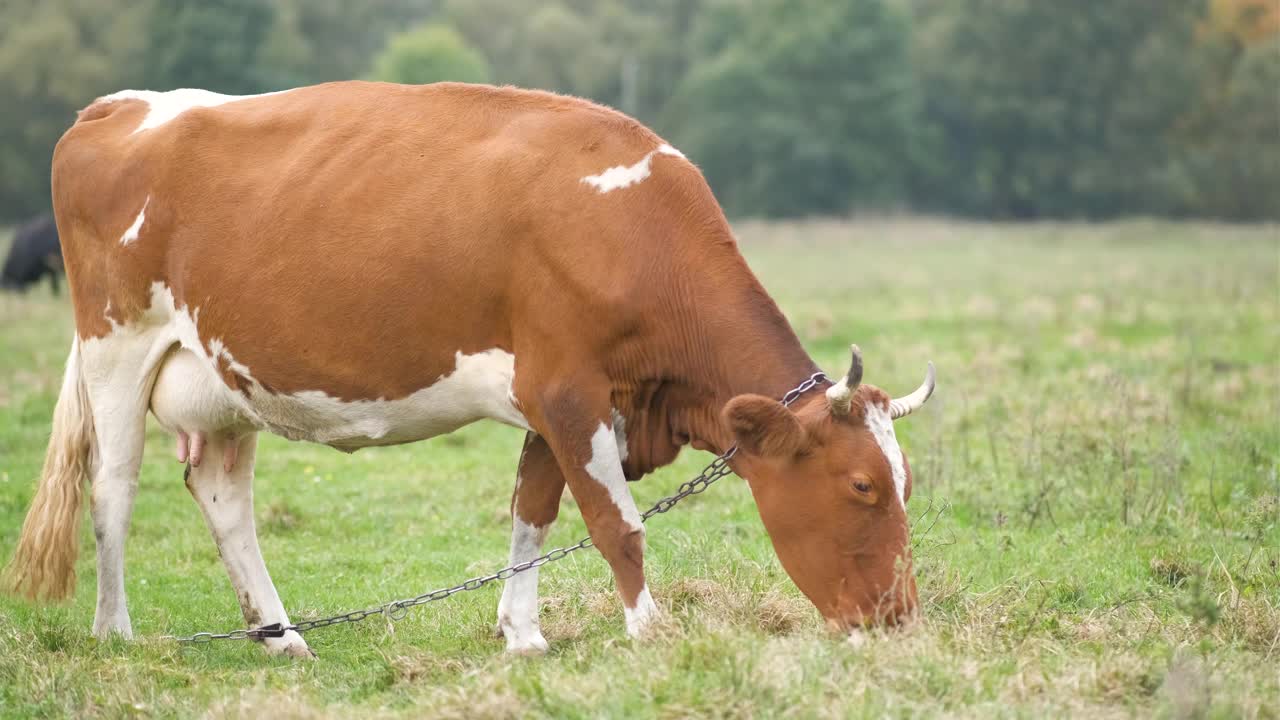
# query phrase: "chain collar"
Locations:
[[398, 609]]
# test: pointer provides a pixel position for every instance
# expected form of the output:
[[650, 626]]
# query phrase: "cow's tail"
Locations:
[[44, 563]]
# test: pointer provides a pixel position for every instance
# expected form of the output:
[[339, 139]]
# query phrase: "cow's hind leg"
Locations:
[[120, 434], [226, 499], [118, 373], [534, 506]]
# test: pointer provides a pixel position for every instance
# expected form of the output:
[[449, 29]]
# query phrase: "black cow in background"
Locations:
[[34, 254]]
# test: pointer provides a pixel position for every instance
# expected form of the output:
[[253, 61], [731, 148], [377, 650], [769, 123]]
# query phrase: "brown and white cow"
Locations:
[[361, 264]]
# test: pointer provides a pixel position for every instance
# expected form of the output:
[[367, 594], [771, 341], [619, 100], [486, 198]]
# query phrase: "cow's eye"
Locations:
[[862, 486]]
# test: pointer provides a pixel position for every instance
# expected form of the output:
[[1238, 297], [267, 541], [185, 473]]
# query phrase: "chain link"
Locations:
[[398, 609]]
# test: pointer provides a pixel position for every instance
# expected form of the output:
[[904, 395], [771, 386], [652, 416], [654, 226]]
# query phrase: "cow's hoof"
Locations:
[[642, 617], [104, 628], [106, 633], [531, 645], [523, 641], [291, 645]]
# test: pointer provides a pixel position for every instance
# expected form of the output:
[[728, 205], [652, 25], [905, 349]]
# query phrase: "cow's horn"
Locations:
[[840, 395], [898, 407]]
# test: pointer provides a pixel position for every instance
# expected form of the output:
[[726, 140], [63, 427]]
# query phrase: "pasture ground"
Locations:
[[1096, 485]]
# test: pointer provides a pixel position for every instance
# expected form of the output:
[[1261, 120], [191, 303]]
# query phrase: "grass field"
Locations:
[[1096, 481]]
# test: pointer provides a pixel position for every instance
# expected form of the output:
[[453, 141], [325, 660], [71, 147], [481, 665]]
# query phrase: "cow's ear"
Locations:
[[763, 426]]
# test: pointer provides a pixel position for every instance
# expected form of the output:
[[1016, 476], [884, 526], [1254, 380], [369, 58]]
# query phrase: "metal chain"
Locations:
[[398, 609]]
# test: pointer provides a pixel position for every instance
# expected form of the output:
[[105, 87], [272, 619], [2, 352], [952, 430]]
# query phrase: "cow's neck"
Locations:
[[730, 339], [755, 351]]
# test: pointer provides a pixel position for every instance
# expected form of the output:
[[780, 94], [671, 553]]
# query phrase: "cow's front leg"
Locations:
[[222, 485], [534, 506], [580, 433]]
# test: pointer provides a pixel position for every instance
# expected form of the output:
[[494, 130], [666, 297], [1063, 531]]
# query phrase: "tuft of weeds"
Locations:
[[416, 667], [1199, 602], [1262, 517], [57, 638], [1173, 571]]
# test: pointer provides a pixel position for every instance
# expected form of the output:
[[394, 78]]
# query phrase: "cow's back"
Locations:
[[348, 238]]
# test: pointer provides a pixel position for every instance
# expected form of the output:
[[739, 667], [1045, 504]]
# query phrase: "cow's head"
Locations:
[[832, 484]]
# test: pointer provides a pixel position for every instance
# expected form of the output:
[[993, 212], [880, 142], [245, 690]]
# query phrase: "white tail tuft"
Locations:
[[44, 563]]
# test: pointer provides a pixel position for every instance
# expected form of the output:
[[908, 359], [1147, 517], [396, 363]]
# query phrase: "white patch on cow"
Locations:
[[621, 176], [218, 351], [165, 106], [620, 430], [666, 149], [605, 467], [478, 387], [642, 615], [881, 427], [518, 608], [131, 233]]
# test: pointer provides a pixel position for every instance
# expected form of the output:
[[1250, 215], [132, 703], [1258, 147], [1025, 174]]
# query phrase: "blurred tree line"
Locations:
[[989, 108]]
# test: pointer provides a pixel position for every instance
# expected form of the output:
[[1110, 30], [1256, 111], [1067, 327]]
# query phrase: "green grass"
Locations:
[[1097, 474]]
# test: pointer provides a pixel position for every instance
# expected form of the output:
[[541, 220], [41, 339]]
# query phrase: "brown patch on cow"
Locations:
[[536, 499], [241, 383], [252, 616]]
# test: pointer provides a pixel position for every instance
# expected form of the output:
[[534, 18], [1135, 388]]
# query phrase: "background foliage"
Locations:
[[990, 108], [430, 53]]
